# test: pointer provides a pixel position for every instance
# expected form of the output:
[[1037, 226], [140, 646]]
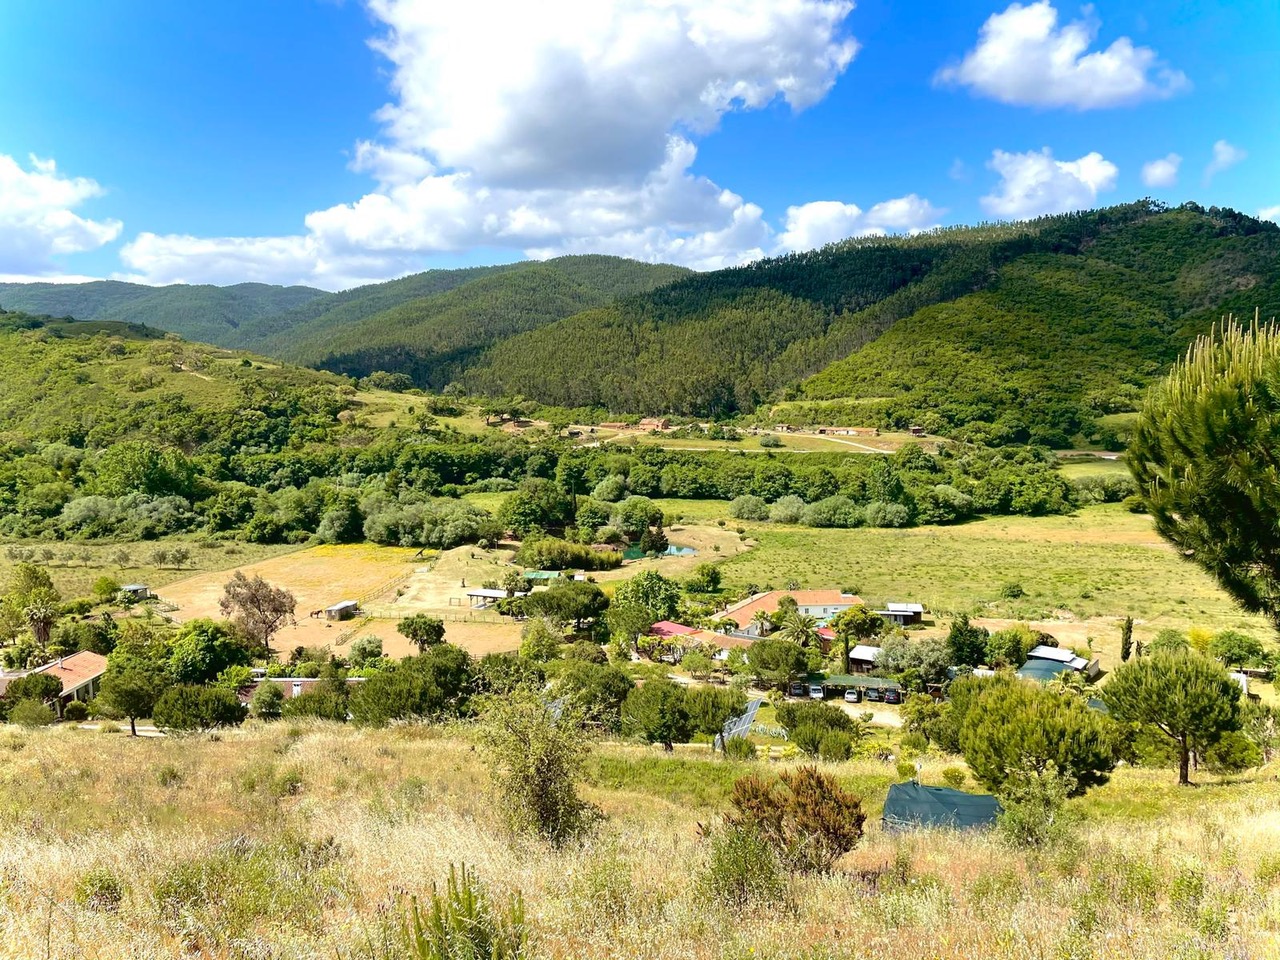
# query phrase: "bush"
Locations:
[[741, 869], [31, 713], [807, 738], [835, 747], [748, 507], [75, 712], [536, 757], [954, 777], [317, 704], [739, 748], [906, 770], [805, 816], [267, 702], [100, 889], [1035, 813], [788, 509], [1012, 591], [190, 707], [770, 442]]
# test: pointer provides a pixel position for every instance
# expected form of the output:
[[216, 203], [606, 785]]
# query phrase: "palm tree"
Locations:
[[763, 622], [800, 628], [41, 613]]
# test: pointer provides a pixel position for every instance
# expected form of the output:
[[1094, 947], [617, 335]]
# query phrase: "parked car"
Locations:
[[853, 695], [873, 694], [798, 690], [815, 691], [892, 696]]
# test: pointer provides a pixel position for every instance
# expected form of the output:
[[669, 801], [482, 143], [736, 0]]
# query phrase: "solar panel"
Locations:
[[741, 726]]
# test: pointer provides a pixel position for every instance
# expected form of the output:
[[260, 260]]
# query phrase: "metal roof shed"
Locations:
[[912, 805]]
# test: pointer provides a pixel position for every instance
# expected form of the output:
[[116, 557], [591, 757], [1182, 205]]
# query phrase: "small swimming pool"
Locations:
[[634, 552]]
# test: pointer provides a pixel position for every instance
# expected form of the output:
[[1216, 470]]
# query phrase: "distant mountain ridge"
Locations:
[[220, 315]]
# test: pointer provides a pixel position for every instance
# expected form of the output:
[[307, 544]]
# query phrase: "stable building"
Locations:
[[342, 611]]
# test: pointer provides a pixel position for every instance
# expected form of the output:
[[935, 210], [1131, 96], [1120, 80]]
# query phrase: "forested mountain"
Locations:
[[434, 337], [226, 316], [1034, 328]]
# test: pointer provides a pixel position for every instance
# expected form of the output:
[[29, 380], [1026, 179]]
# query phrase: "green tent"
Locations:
[[914, 805]]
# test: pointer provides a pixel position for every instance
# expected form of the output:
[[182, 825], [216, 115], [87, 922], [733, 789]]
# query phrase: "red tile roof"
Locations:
[[667, 628], [768, 602], [75, 670]]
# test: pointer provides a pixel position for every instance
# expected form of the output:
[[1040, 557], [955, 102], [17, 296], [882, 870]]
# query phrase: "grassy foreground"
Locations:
[[293, 841]]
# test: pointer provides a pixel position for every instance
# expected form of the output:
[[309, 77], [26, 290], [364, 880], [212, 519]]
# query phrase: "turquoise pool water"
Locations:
[[634, 552]]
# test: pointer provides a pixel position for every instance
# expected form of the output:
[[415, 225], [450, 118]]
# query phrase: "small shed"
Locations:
[[912, 805], [863, 657], [487, 596], [1089, 668], [903, 614], [138, 591], [342, 611]]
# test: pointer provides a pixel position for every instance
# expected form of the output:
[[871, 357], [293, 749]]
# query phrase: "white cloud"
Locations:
[[1023, 57], [36, 219], [1033, 183], [816, 224], [1270, 213], [564, 126], [1162, 172], [1224, 156]]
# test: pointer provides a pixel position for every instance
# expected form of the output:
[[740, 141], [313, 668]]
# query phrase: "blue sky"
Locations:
[[334, 143]]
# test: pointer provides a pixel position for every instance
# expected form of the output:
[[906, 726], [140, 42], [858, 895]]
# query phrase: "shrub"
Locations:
[[748, 507], [318, 704], [535, 758], [100, 889], [954, 777], [906, 770], [1012, 591], [914, 744], [807, 738], [835, 747], [739, 748], [31, 713], [75, 712], [267, 702], [770, 442], [805, 816], [1034, 802], [741, 868], [190, 707], [169, 776], [788, 509]]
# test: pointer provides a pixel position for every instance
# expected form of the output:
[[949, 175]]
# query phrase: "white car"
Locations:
[[853, 695], [815, 691]]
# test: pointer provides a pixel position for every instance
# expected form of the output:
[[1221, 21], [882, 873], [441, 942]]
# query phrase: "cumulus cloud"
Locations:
[[36, 219], [815, 224], [1033, 184], [1270, 213], [1162, 172], [558, 127], [1024, 57], [1225, 156]]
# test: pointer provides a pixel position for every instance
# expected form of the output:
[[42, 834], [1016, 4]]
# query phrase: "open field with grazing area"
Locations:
[[318, 577], [74, 567], [295, 841], [1094, 567]]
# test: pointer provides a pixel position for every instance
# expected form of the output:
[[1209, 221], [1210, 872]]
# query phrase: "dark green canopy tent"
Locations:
[[1042, 670], [915, 805]]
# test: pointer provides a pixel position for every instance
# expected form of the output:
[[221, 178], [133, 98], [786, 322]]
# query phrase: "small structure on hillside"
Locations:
[[862, 658], [137, 591], [342, 611], [912, 805], [917, 431], [822, 605], [903, 614], [655, 423]]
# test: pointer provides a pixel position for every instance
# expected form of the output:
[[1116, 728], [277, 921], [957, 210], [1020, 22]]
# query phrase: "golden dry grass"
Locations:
[[289, 842]]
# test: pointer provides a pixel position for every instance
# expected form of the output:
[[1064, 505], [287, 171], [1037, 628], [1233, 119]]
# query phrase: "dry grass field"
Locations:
[[292, 842], [318, 577]]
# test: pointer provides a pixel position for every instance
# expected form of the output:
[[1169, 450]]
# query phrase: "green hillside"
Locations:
[[92, 383], [1037, 327], [226, 316], [433, 338]]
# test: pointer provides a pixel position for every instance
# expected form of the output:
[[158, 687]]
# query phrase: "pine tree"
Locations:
[[1126, 639]]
